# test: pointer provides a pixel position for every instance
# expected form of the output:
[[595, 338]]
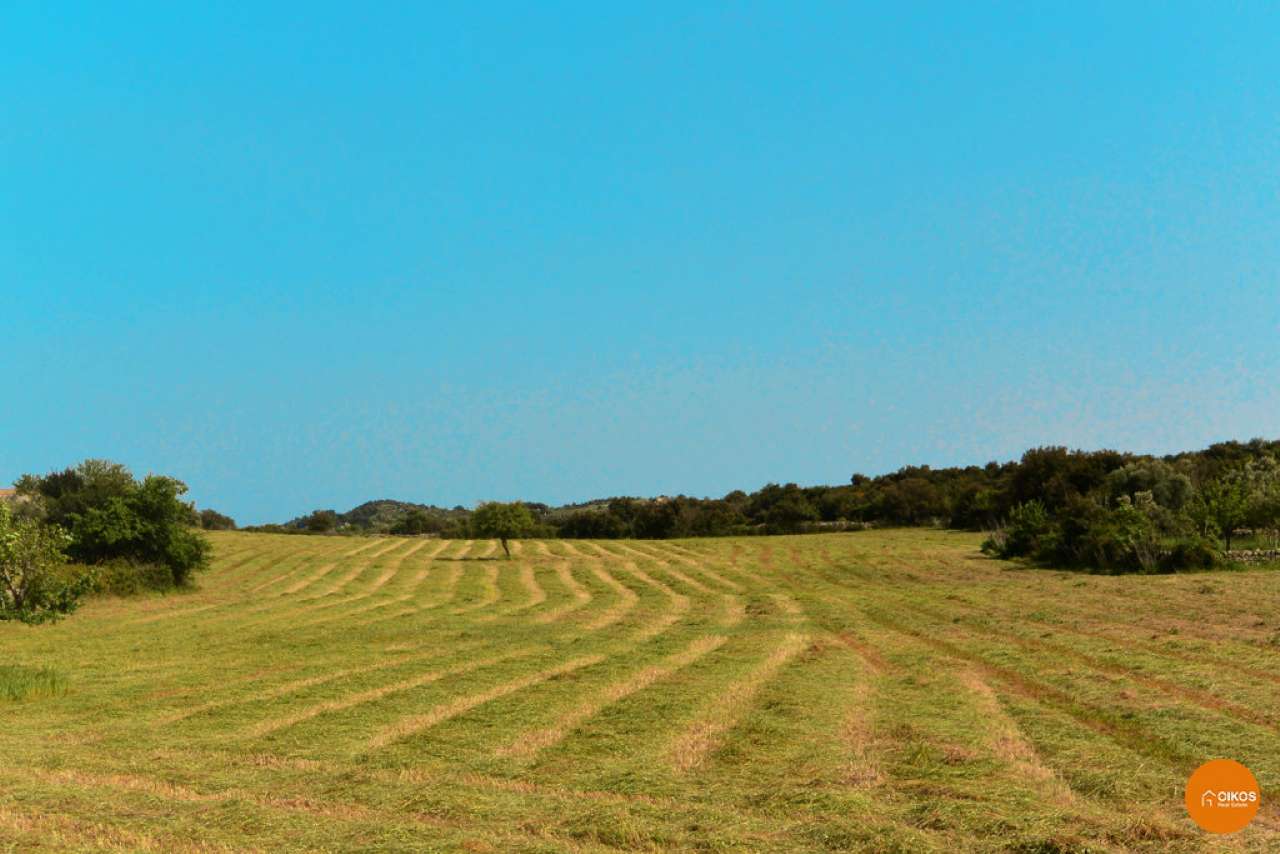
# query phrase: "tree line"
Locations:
[[1105, 510], [97, 527]]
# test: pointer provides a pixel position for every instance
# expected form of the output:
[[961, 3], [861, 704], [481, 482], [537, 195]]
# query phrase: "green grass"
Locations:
[[871, 691], [18, 682]]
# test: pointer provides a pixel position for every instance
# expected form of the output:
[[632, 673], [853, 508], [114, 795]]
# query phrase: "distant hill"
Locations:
[[380, 515]]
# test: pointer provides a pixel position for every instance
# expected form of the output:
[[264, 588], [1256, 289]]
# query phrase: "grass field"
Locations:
[[878, 691]]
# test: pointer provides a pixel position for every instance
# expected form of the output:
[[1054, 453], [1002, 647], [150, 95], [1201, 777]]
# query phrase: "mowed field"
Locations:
[[874, 691]]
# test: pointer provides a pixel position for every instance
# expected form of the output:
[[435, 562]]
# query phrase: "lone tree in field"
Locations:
[[503, 522], [32, 589]]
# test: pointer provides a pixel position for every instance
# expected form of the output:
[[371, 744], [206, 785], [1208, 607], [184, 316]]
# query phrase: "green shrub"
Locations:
[[1024, 534], [321, 521], [113, 518], [34, 587], [1118, 539], [1191, 554], [212, 520]]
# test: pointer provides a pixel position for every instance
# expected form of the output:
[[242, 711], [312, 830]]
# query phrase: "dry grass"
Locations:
[[406, 727], [692, 747], [530, 743], [627, 599], [580, 596]]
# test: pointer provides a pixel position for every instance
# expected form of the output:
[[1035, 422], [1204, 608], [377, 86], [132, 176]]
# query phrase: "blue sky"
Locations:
[[315, 254]]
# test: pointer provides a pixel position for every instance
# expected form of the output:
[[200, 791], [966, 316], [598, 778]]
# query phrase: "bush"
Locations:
[[1024, 535], [1191, 554], [146, 527], [33, 586], [321, 521], [113, 519], [212, 520]]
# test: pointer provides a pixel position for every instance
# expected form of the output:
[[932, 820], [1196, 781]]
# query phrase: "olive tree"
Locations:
[[502, 522], [32, 590]]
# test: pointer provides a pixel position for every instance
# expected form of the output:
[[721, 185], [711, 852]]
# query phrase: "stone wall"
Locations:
[[1253, 555]]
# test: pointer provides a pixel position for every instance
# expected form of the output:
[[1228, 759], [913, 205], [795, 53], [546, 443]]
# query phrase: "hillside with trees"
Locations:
[[382, 516]]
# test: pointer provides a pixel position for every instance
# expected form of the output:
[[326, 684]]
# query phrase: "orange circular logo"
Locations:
[[1222, 796]]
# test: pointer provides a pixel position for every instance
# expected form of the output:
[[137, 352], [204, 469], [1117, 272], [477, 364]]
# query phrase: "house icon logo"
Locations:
[[1222, 796]]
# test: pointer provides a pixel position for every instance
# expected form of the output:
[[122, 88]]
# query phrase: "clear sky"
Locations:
[[312, 254]]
